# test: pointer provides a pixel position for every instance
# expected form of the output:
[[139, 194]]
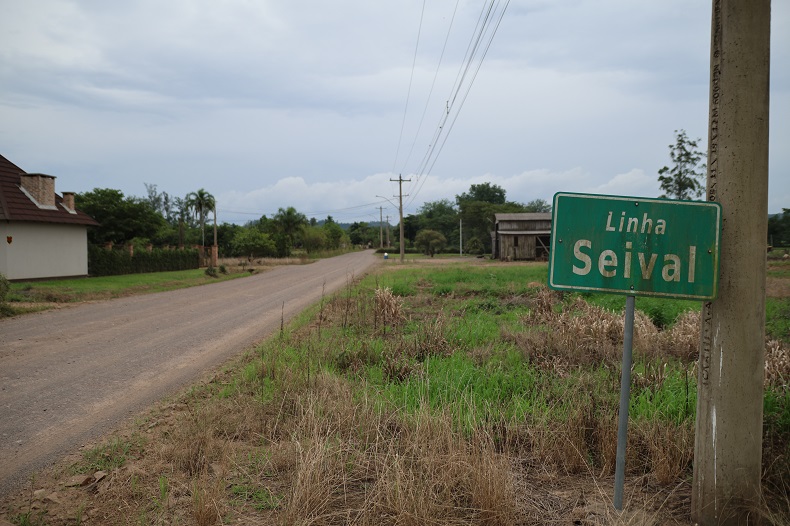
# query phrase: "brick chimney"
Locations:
[[68, 201], [40, 187]]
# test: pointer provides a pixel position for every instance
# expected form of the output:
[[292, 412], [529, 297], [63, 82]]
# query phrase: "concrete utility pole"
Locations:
[[388, 231], [381, 228], [460, 237], [728, 440], [215, 247], [400, 180]]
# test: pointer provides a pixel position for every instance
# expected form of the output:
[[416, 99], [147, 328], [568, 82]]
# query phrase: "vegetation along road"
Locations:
[[67, 376]]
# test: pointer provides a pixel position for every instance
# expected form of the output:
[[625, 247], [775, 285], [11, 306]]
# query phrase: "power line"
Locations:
[[408, 92], [433, 84], [432, 155], [308, 214]]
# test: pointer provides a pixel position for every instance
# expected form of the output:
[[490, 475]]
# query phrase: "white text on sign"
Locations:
[[608, 261]]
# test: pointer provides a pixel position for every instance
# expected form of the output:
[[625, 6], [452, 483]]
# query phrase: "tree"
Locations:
[[251, 242], [121, 218], [474, 246], [430, 241], [226, 233], [361, 234], [441, 216], [288, 222], [313, 238], [490, 193], [334, 233], [537, 205], [779, 229], [163, 203], [201, 202], [411, 225], [682, 181]]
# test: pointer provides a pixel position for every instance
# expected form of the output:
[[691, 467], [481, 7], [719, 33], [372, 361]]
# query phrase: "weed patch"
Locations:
[[109, 455], [490, 403]]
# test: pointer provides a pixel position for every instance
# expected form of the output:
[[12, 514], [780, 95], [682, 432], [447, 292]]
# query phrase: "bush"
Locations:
[[103, 262], [211, 272], [430, 241], [474, 246], [5, 286]]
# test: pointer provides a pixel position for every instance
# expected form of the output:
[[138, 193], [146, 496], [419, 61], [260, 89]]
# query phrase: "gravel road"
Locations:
[[71, 375]]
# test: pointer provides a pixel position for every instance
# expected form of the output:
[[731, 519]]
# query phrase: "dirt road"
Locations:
[[71, 375]]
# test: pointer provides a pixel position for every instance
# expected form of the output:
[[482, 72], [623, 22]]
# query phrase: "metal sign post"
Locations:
[[635, 246], [625, 400]]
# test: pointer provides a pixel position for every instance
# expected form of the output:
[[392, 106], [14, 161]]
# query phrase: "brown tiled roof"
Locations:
[[16, 206]]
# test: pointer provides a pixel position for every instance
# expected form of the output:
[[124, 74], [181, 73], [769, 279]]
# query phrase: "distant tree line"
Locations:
[[779, 229], [161, 219], [466, 223]]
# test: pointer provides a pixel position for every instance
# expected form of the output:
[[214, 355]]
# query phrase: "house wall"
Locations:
[[509, 247], [43, 250], [524, 224]]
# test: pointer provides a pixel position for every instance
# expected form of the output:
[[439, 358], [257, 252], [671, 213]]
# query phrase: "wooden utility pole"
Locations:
[[728, 440], [400, 180], [388, 231]]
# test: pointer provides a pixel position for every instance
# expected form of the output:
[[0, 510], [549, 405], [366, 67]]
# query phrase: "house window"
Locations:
[[515, 241]]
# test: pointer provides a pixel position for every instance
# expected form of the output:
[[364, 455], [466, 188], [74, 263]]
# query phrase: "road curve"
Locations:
[[68, 376]]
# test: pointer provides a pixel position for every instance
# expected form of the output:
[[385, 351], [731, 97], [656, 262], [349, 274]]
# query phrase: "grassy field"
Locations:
[[34, 296], [449, 393]]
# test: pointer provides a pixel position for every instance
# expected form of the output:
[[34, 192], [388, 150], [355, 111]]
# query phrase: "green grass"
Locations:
[[777, 318], [673, 398], [509, 386], [30, 518], [84, 289], [470, 370], [109, 455], [461, 279], [259, 498], [783, 272]]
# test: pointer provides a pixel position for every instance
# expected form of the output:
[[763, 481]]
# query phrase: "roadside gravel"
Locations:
[[68, 376]]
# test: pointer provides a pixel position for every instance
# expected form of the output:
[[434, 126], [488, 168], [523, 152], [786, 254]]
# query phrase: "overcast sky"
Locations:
[[277, 103]]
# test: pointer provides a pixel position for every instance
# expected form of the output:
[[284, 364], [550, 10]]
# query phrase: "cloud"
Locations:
[[632, 183], [277, 104], [350, 200]]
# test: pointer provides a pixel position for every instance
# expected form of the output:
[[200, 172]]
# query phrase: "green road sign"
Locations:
[[635, 245]]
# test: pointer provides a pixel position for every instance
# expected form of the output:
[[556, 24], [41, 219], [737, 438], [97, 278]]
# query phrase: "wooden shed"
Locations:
[[522, 236]]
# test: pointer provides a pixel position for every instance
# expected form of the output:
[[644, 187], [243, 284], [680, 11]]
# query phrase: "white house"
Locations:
[[42, 235]]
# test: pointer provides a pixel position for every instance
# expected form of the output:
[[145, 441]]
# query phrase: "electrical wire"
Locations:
[[408, 92], [336, 211], [488, 23], [433, 84], [432, 155]]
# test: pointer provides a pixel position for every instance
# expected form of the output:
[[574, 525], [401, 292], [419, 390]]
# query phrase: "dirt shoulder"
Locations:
[[70, 375]]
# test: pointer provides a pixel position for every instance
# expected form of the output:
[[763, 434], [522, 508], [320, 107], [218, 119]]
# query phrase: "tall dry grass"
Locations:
[[358, 463], [303, 438]]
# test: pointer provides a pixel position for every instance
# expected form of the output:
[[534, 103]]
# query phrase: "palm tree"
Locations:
[[289, 221], [201, 202]]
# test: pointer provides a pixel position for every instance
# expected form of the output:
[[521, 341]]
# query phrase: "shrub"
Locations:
[[430, 241], [5, 286], [103, 262]]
